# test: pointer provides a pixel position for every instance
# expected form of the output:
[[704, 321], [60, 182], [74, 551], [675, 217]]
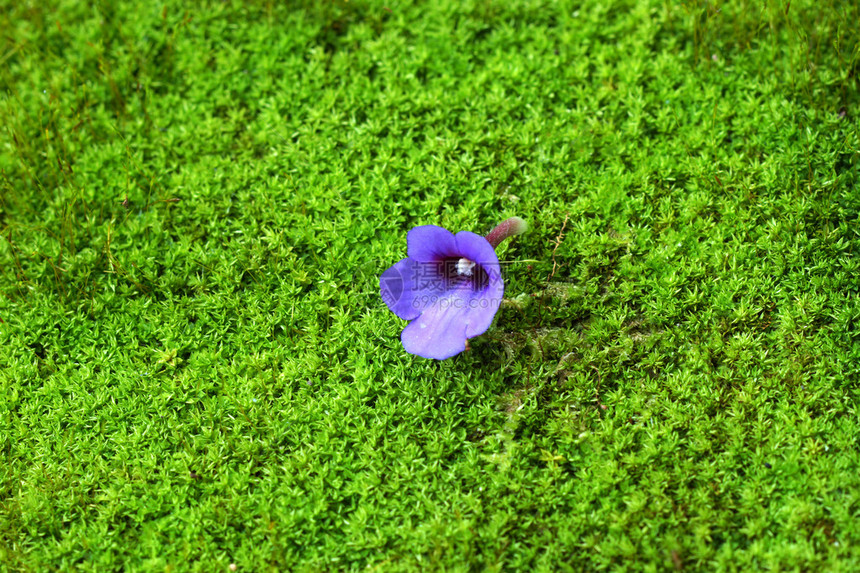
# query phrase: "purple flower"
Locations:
[[449, 286]]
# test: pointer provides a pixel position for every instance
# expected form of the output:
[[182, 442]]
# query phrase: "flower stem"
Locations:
[[505, 229]]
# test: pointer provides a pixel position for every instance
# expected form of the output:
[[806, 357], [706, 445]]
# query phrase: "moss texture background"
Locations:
[[196, 201]]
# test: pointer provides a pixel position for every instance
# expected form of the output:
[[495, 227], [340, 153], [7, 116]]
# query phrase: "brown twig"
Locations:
[[558, 240]]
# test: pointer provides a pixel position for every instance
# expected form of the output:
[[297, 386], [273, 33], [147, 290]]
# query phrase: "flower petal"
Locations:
[[445, 324], [399, 290], [439, 333], [429, 243], [482, 310], [478, 249]]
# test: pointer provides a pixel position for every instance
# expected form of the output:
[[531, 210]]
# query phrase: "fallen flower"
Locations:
[[450, 287]]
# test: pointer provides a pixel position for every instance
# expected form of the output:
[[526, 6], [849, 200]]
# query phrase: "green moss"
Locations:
[[198, 370]]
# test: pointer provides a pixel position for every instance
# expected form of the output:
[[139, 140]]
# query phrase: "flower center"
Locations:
[[464, 267], [463, 273]]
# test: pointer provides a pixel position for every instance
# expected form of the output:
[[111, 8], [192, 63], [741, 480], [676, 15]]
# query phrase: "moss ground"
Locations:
[[196, 201]]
